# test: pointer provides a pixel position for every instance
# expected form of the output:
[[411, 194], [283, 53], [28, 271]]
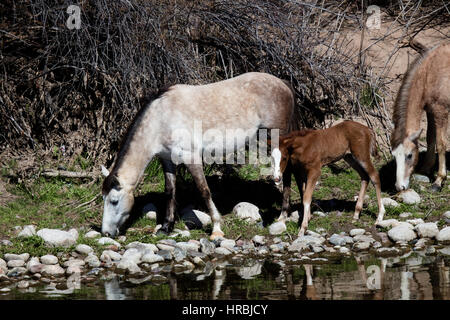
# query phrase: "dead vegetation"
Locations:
[[75, 91]]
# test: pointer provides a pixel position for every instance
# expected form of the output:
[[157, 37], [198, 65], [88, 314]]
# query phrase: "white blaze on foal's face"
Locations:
[[406, 156], [276, 166]]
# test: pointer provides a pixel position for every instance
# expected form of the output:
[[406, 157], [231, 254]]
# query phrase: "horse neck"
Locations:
[[415, 108], [140, 148], [409, 107]]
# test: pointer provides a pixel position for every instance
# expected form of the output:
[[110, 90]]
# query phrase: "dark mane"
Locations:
[[111, 181]]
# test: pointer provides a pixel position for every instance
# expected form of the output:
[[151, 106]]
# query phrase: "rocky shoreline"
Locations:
[[149, 262]]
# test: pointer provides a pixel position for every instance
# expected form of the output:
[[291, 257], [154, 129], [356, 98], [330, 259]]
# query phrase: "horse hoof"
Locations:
[[436, 187], [216, 235]]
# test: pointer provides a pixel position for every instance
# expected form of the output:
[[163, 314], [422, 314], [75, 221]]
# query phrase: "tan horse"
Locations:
[[307, 151], [426, 87], [167, 128]]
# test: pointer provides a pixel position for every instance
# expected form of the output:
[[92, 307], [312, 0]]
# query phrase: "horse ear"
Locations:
[[414, 136], [105, 171]]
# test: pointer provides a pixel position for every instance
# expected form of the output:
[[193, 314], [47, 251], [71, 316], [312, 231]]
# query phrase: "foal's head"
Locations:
[[406, 156], [279, 160], [117, 203]]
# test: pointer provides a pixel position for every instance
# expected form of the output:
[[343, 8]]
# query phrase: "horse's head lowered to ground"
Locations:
[[406, 156], [118, 202]]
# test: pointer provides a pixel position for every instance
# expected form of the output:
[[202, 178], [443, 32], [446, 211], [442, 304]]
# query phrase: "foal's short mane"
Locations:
[[298, 133], [401, 102], [111, 181]]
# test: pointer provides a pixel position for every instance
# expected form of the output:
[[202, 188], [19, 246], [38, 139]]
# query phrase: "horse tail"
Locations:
[[295, 120]]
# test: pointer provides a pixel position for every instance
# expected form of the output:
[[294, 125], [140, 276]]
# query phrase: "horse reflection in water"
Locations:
[[403, 278], [374, 283]]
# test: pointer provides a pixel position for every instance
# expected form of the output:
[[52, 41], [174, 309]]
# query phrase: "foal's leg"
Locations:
[[287, 180], [199, 177], [313, 175], [169, 169], [363, 159], [441, 136], [430, 157], [364, 183]]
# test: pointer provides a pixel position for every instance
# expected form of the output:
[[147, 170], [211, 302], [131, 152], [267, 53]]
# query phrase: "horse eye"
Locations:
[[114, 202], [409, 156]]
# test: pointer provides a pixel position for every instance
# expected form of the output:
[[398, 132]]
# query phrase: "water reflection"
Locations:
[[414, 276]]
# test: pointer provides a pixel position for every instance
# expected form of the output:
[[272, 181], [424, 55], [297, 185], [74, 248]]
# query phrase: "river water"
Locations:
[[413, 276]]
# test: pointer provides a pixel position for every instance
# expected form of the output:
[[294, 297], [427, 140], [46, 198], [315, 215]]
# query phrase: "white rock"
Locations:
[[2, 264], [132, 254], [149, 210], [389, 223], [247, 211], [107, 241], [52, 270], [188, 246], [59, 238], [74, 262], [277, 228], [294, 216], [421, 178], [15, 263], [260, 240], [92, 260], [405, 215], [388, 202], [142, 246], [446, 216], [222, 251], [84, 249], [195, 219], [319, 213], [427, 230], [12, 256], [92, 234], [361, 246], [344, 250], [49, 259], [32, 262], [355, 232], [27, 231], [151, 257], [401, 233], [445, 251], [409, 197], [444, 234], [228, 244], [73, 269], [129, 266], [108, 255]]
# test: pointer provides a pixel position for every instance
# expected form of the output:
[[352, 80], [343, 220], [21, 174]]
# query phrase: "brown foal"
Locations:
[[307, 151]]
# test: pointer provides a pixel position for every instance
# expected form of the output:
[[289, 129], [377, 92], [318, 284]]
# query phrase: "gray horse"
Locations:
[[166, 127]]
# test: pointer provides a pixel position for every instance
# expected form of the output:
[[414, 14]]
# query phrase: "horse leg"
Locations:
[[313, 175], [430, 157], [441, 135], [286, 192], [199, 177], [364, 183], [169, 169], [366, 164]]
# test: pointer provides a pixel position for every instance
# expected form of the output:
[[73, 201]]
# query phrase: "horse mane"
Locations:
[[111, 181], [401, 102]]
